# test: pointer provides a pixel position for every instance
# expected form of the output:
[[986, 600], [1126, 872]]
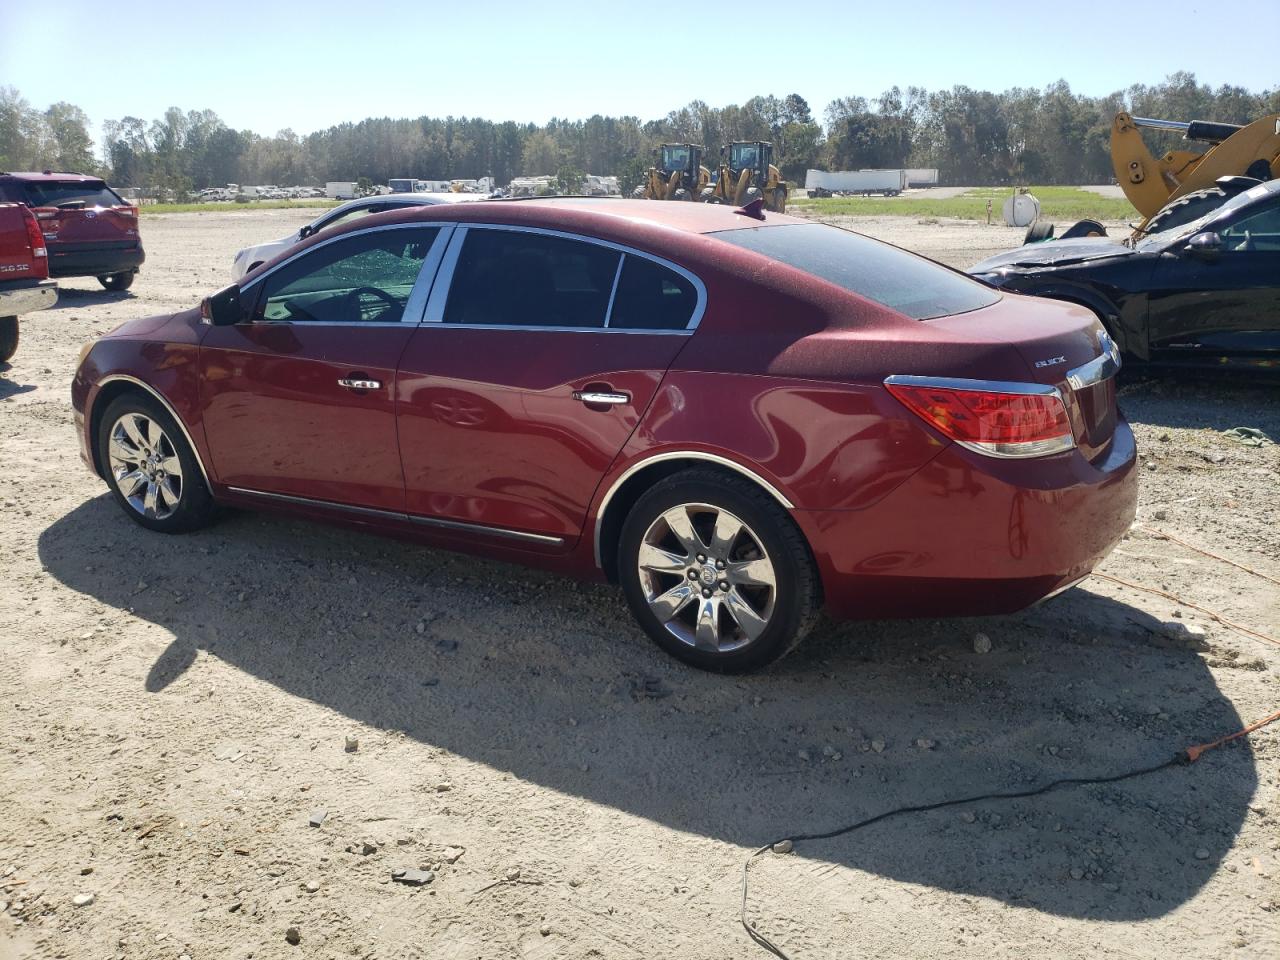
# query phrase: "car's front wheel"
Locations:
[[151, 469], [717, 573]]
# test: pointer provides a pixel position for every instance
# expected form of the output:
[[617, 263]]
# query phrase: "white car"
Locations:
[[250, 257]]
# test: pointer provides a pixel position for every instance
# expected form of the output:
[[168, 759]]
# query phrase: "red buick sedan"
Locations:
[[742, 418]]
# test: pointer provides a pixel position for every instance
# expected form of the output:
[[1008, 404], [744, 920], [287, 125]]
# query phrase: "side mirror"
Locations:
[[1206, 245], [222, 309], [306, 231]]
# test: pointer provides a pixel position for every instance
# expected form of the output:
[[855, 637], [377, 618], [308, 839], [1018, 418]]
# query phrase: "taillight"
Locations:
[[34, 236], [126, 211], [993, 418]]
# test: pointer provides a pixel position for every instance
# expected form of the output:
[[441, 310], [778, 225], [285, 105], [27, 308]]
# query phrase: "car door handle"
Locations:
[[600, 397], [352, 384]]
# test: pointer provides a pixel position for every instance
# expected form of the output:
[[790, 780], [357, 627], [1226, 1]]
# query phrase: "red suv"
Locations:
[[88, 229], [740, 419]]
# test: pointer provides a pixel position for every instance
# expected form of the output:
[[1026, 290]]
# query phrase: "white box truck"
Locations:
[[828, 183], [340, 190]]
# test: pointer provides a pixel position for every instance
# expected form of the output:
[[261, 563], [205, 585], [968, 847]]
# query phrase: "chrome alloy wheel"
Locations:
[[707, 577], [145, 466]]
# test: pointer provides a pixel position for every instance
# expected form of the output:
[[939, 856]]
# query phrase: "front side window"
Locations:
[[514, 278], [365, 278], [1258, 231], [914, 286], [355, 213], [652, 297]]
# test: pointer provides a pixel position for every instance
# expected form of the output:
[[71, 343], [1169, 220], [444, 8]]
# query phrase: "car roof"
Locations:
[[51, 175], [612, 214]]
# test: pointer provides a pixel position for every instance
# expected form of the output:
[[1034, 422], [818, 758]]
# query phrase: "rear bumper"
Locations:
[[27, 298], [94, 263], [969, 535]]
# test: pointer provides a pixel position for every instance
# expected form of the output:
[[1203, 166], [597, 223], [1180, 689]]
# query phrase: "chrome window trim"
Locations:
[[1100, 368], [444, 282], [414, 307], [460, 525], [613, 292], [195, 451], [679, 455]]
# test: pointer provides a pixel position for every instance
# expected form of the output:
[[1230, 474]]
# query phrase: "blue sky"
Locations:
[[265, 67]]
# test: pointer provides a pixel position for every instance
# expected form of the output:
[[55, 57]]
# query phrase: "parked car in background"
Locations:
[[251, 257], [89, 230], [1204, 294], [739, 418], [24, 273]]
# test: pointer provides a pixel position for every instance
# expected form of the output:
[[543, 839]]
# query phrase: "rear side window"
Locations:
[[510, 278], [63, 193], [901, 281], [652, 297]]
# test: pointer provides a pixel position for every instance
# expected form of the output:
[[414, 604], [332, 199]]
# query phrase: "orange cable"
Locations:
[[1194, 606], [1191, 546], [1194, 753]]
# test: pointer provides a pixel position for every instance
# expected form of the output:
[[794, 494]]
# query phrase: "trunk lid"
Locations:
[[1062, 345]]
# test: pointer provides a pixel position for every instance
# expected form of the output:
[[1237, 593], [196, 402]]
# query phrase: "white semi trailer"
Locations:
[[922, 177], [826, 183]]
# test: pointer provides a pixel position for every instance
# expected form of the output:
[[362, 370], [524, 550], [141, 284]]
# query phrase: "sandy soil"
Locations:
[[176, 709]]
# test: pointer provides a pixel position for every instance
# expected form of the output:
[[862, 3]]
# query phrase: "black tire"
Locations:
[[1185, 209], [780, 199], [1084, 228], [118, 281], [792, 606], [681, 194], [1038, 232], [8, 338], [753, 194], [194, 507]]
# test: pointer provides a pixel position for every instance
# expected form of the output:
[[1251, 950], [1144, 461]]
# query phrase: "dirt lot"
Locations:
[[176, 709]]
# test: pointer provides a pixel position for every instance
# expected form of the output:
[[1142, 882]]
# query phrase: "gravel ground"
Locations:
[[176, 710]]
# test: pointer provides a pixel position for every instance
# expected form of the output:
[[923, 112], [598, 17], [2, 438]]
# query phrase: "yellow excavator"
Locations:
[[678, 175], [747, 173], [1183, 185]]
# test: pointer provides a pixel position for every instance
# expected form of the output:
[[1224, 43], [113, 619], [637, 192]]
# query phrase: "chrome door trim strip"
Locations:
[[679, 455], [993, 386], [398, 515], [164, 403]]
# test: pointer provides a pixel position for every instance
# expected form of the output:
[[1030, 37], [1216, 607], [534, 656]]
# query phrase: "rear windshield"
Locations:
[[909, 284], [57, 193]]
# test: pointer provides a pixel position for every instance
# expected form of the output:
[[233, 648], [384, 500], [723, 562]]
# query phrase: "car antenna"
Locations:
[[754, 209]]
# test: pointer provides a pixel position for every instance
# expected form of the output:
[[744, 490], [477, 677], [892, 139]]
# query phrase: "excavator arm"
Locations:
[[1150, 182]]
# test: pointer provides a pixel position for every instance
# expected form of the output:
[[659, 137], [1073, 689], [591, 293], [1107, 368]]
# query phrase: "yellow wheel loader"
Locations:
[[1182, 185], [678, 175], [747, 173]]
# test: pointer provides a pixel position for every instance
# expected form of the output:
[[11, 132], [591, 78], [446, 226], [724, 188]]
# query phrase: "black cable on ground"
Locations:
[[1180, 759]]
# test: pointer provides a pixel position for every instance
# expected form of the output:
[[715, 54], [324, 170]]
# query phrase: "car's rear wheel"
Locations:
[[8, 338], [717, 573], [118, 281], [151, 469]]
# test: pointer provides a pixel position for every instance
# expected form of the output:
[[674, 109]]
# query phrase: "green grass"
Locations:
[[1056, 203], [231, 207]]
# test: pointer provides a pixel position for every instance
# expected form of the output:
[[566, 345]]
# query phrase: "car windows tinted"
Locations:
[[365, 278], [511, 278], [652, 297], [53, 193], [909, 284], [348, 215], [1258, 231]]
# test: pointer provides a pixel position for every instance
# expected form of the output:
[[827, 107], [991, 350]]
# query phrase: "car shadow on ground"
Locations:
[[11, 388], [549, 680], [1182, 399], [76, 298]]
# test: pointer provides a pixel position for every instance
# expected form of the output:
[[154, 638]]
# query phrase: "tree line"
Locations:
[[1022, 135]]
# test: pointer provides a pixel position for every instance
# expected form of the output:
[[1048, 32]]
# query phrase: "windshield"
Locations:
[[676, 158], [912, 285], [742, 157], [56, 193], [1227, 211]]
